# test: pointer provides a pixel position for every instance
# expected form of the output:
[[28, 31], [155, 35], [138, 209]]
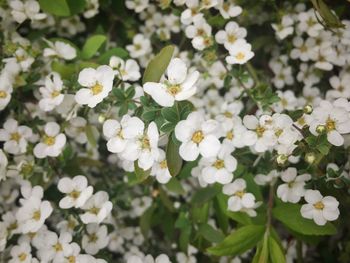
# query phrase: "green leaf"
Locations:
[[146, 219], [205, 194], [117, 51], [174, 161], [66, 71], [175, 186], [264, 252], [330, 19], [141, 174], [92, 45], [239, 241], [211, 234], [275, 251], [289, 215], [62, 7], [170, 114], [157, 66], [240, 217], [167, 127], [90, 135]]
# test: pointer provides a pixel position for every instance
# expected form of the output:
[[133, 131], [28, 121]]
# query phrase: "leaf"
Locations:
[[275, 251], [92, 45], [331, 20], [170, 114], [62, 7], [65, 70], [240, 217], [117, 51], [90, 135], [175, 186], [145, 220], [211, 234], [205, 194], [157, 66], [140, 174], [239, 241], [264, 252], [289, 215], [174, 161]]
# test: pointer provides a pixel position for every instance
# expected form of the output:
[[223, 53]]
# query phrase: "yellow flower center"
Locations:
[[231, 38], [301, 121], [74, 194], [163, 164], [71, 259], [55, 93], [228, 114], [96, 89], [145, 144], [3, 94], [58, 247], [22, 256], [48, 140], [36, 215], [219, 164], [260, 131], [94, 210], [93, 238], [239, 194], [278, 132], [175, 89], [197, 137], [240, 56], [330, 125], [137, 46], [15, 136], [229, 135], [319, 205]]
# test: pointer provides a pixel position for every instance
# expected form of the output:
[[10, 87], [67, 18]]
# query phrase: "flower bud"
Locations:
[[310, 157], [320, 129], [101, 118], [308, 109], [281, 159]]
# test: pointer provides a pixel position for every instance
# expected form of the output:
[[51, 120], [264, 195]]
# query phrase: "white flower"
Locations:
[[308, 23], [98, 83], [21, 58], [127, 70], [197, 136], [3, 236], [77, 191], [179, 85], [51, 93], [285, 28], [97, 208], [22, 10], [239, 199], [5, 91], [76, 129], [320, 209], [160, 169], [200, 33], [334, 118], [240, 52], [270, 178], [60, 49], [32, 214], [293, 189], [92, 8], [21, 253], [140, 47], [137, 5], [144, 148], [228, 8], [230, 35], [55, 247], [3, 165], [52, 142], [15, 137], [96, 238], [220, 168], [119, 133]]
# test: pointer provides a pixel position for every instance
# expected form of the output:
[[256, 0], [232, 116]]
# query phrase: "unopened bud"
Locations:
[[308, 109], [310, 157], [101, 118], [320, 129], [281, 159]]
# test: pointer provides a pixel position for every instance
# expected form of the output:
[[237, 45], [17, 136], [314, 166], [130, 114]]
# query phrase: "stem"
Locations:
[[299, 252], [252, 73], [270, 206]]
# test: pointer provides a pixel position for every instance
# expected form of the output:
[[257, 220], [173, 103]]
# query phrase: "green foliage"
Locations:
[[174, 161], [157, 66], [239, 241], [62, 7], [289, 215], [92, 45]]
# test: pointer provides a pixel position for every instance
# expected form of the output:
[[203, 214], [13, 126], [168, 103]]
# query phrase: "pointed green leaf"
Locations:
[[92, 45], [275, 252], [174, 161]]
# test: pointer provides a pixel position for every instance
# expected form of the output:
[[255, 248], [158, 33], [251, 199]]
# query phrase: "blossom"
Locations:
[[293, 188], [15, 137], [26, 10], [97, 208], [230, 35], [97, 82], [284, 28], [240, 52], [239, 199], [144, 147], [3, 165], [77, 191], [51, 93], [318, 208], [55, 247], [119, 133], [77, 129], [96, 238], [21, 253], [137, 6], [197, 136], [160, 169], [140, 47], [60, 49], [125, 70], [5, 91], [179, 85], [52, 142]]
